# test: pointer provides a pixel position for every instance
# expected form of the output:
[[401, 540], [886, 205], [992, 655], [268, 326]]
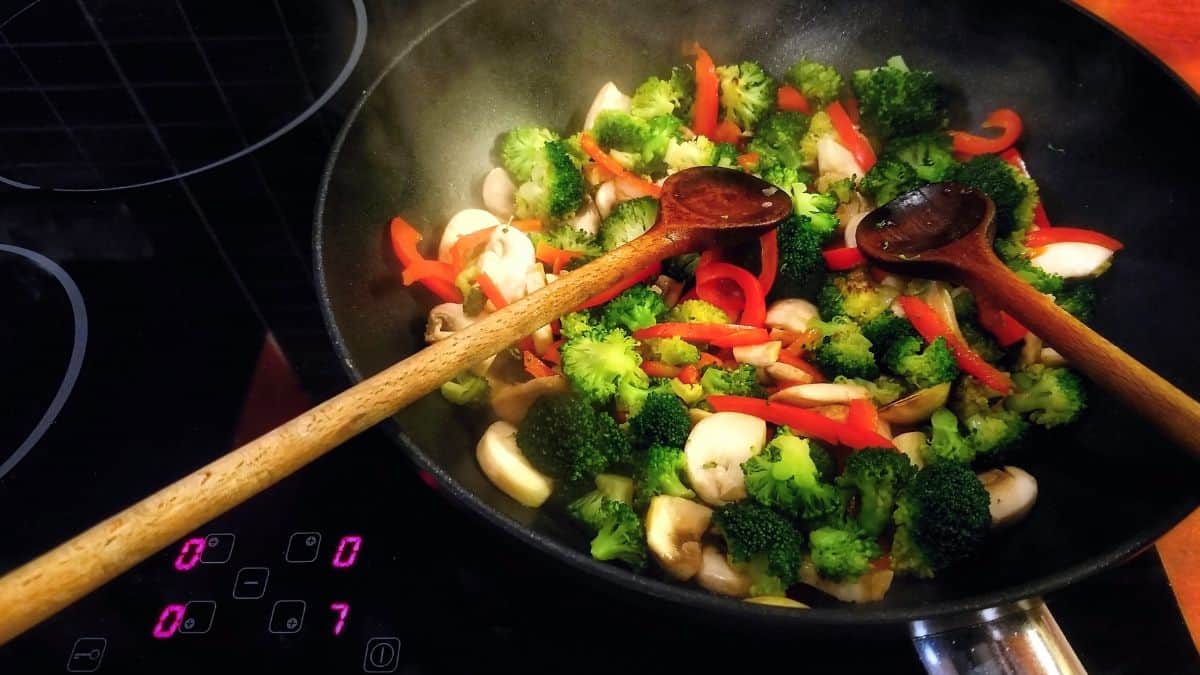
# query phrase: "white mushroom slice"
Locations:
[[499, 193], [508, 469], [718, 576], [608, 98], [777, 601], [1073, 260], [792, 314], [820, 393], [937, 296], [1012, 491], [463, 223], [715, 450], [759, 355], [673, 529], [511, 402], [697, 414], [911, 444], [851, 214], [917, 406], [1031, 351], [446, 319], [1051, 358], [669, 289], [507, 261], [834, 162], [606, 198], [782, 372], [587, 219], [870, 587]]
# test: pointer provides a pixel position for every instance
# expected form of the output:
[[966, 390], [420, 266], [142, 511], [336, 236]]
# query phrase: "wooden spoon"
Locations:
[[699, 207], [945, 231]]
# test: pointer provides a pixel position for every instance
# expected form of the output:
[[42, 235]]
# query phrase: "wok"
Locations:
[[1107, 137]]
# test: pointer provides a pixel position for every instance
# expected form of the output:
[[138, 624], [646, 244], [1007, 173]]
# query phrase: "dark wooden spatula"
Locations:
[[699, 207], [945, 231]]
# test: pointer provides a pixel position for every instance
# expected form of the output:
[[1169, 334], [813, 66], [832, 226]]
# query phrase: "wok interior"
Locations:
[[427, 134]]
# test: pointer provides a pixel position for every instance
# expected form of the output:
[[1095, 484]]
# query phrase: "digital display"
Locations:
[[341, 611], [347, 551], [189, 554], [168, 621]]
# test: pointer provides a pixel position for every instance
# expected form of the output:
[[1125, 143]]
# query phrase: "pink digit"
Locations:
[[345, 558], [168, 621], [190, 554], [343, 610]]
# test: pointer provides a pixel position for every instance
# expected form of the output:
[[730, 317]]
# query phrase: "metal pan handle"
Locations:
[[1017, 639]]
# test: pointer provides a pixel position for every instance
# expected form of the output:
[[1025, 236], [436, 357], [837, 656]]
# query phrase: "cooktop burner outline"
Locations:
[[74, 363]]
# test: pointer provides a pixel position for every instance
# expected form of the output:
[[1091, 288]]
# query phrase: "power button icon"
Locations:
[[382, 655]]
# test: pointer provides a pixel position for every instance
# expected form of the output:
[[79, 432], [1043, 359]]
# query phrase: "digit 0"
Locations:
[[347, 551], [190, 554], [168, 621]]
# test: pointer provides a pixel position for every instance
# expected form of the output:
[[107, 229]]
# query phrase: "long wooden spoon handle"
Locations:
[[66, 573], [1159, 401]]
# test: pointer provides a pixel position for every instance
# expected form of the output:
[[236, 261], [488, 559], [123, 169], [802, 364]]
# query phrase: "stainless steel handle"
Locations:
[[1017, 639]]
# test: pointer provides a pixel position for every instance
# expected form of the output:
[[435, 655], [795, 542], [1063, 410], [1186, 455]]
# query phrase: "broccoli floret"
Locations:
[[628, 221], [843, 188], [855, 295], [726, 155], [660, 472], [699, 151], [929, 155], [941, 518], [656, 97], [597, 361], [843, 349], [816, 209], [922, 365], [819, 126], [980, 342], [567, 238], [782, 176], [819, 83], [555, 187], [565, 437], [946, 444], [878, 475], [660, 131], [618, 130], [998, 180], [890, 178], [696, 311], [663, 420], [637, 307], [522, 149], [615, 486], [1049, 396], [1079, 299], [747, 92], [971, 397], [841, 555], [690, 394], [885, 329], [992, 433], [578, 323], [801, 265], [827, 468], [466, 388], [757, 535], [741, 381], [681, 267], [631, 394], [777, 142], [784, 476], [896, 101], [618, 530], [673, 351], [884, 389]]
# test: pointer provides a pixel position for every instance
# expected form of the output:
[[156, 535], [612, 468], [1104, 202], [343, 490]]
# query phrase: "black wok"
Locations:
[[1109, 136]]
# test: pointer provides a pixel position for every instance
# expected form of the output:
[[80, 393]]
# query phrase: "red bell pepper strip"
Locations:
[[854, 437], [850, 137], [717, 334], [727, 132], [862, 415], [792, 359], [790, 98], [605, 296], [800, 420], [536, 367], [490, 290], [556, 258], [843, 258], [466, 245], [1007, 330], [626, 179], [660, 369], [527, 224], [931, 327], [709, 256], [404, 244], [552, 355], [704, 110], [707, 359], [724, 294], [754, 310], [1005, 119], [689, 374], [768, 260], [748, 160], [423, 270], [1055, 235]]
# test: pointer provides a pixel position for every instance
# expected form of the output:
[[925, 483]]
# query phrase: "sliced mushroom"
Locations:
[[463, 223], [1051, 358], [444, 320], [507, 468], [937, 296], [777, 601], [911, 444], [608, 98], [715, 450], [834, 162], [673, 529], [1073, 260], [669, 288], [511, 402], [499, 193], [917, 406], [759, 355], [851, 214], [507, 260], [782, 372], [1031, 351], [792, 314], [1012, 491], [820, 393], [606, 198], [587, 219], [718, 576], [870, 587]]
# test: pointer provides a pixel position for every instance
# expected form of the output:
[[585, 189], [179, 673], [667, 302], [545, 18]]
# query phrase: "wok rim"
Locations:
[[861, 616]]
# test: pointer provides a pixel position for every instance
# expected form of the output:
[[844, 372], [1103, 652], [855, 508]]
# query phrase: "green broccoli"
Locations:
[[801, 264], [1078, 298], [726, 155], [637, 307], [827, 468], [763, 540], [819, 83], [618, 530], [741, 381], [922, 365], [855, 295], [578, 323], [878, 475], [631, 394], [747, 92], [521, 150], [1017, 260], [819, 126], [784, 477], [884, 389], [663, 420], [618, 130], [980, 342], [890, 178], [817, 209], [660, 131], [1049, 396], [673, 351], [568, 238], [681, 267], [466, 388], [896, 101], [660, 472], [555, 188], [885, 329], [690, 394], [841, 555], [783, 176], [696, 311], [777, 142], [941, 518], [699, 151], [998, 180], [656, 97], [993, 433], [971, 397], [843, 188], [843, 349], [597, 361], [946, 444], [564, 436], [929, 155], [615, 486], [628, 221]]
